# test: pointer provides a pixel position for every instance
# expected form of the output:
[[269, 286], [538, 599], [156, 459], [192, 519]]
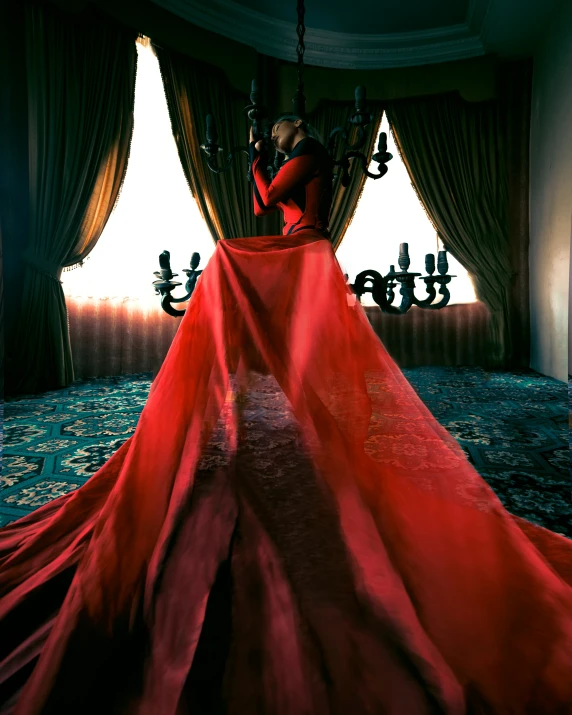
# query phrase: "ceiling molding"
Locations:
[[477, 15], [486, 22], [278, 38]]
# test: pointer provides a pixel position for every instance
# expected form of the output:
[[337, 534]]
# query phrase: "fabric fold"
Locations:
[[290, 524]]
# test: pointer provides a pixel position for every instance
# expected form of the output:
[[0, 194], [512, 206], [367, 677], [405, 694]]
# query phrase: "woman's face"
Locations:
[[286, 134]]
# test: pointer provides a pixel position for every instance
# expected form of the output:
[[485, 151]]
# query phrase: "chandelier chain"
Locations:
[[300, 29]]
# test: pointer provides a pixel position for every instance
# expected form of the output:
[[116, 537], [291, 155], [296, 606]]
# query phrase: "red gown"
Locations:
[[288, 531]]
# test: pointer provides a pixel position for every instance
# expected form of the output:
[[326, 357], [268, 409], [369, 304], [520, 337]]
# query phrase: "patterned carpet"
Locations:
[[512, 426], [570, 430]]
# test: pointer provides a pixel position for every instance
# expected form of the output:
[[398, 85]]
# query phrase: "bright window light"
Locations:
[[155, 211], [389, 213]]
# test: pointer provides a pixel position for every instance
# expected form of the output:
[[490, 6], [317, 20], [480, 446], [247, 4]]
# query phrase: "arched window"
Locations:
[[389, 213], [155, 210]]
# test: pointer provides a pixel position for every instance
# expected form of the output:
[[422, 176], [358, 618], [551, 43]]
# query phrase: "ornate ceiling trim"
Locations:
[[277, 38]]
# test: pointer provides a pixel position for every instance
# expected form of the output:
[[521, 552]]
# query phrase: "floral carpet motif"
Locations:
[[513, 427]]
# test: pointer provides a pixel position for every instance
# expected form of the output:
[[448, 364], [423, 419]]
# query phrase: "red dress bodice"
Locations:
[[302, 188]]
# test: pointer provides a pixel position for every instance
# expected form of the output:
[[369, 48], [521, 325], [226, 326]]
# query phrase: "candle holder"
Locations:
[[382, 288], [164, 285], [212, 149], [360, 119]]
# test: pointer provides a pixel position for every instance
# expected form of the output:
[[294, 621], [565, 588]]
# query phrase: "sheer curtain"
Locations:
[[116, 323]]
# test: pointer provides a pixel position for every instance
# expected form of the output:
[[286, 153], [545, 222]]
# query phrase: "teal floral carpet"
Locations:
[[512, 426]]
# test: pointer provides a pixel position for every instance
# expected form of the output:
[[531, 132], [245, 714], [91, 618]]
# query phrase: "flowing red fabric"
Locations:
[[289, 531]]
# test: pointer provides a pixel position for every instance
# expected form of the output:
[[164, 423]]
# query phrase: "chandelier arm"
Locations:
[[165, 284], [359, 142], [443, 291], [211, 160], [363, 162], [406, 291], [180, 300], [212, 164], [343, 132], [333, 137], [166, 301], [378, 289], [431, 295], [189, 287]]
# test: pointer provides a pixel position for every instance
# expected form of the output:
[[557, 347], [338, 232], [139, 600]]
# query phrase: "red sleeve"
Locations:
[[260, 173], [267, 194]]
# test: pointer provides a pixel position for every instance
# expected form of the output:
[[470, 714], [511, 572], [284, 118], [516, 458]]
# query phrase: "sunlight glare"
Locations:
[[389, 213], [155, 211]]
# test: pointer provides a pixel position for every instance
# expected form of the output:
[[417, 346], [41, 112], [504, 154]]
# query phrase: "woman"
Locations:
[[303, 187], [289, 531]]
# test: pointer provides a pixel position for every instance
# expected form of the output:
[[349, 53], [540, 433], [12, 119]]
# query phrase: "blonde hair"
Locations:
[[308, 129]]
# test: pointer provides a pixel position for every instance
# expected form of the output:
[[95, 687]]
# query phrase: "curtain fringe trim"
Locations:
[[132, 115], [399, 150], [155, 47], [349, 223]]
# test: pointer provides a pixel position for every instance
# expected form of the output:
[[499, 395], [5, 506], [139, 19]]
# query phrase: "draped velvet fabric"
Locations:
[[194, 89], [515, 98], [456, 155], [118, 337], [327, 116], [289, 531], [81, 79], [123, 338], [1, 329]]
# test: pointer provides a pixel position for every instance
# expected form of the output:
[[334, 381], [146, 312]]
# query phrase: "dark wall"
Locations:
[[475, 79], [14, 162]]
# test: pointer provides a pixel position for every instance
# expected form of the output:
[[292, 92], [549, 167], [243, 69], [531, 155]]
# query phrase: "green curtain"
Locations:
[[515, 97], [455, 153], [81, 80], [1, 320], [193, 90], [327, 116]]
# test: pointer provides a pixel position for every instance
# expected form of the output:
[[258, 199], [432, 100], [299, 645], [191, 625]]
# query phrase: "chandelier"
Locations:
[[382, 288], [261, 128]]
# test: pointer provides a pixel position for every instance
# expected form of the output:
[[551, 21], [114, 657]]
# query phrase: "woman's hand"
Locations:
[[259, 144]]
